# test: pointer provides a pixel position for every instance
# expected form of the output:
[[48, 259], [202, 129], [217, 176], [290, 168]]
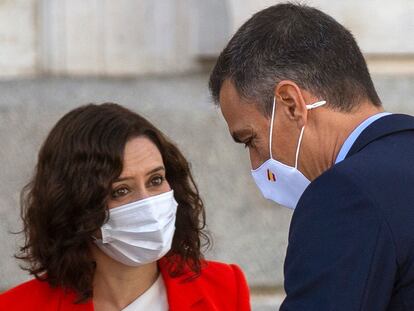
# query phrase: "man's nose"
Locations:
[[255, 160]]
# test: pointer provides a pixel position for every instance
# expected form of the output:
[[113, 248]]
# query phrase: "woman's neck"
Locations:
[[116, 285]]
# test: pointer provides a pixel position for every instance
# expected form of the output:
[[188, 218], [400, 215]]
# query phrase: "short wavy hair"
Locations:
[[294, 42], [65, 203]]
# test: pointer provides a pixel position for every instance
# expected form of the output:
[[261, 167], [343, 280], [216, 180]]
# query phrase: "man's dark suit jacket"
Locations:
[[351, 240]]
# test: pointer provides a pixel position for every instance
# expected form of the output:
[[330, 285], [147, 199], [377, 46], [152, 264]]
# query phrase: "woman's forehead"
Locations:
[[140, 156]]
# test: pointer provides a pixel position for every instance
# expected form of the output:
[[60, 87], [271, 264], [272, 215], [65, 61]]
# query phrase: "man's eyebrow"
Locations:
[[240, 136], [157, 169]]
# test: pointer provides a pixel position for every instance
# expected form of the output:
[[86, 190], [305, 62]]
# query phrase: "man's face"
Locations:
[[246, 123], [250, 126]]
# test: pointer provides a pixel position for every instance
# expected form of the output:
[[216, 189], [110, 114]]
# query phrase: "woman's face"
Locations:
[[143, 173]]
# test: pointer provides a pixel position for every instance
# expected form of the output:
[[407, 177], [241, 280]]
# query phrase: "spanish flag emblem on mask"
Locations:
[[271, 176]]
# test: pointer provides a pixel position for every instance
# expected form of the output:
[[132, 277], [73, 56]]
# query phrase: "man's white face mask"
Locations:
[[279, 182], [140, 232]]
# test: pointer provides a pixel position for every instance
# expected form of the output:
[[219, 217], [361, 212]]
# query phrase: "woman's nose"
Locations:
[[142, 193]]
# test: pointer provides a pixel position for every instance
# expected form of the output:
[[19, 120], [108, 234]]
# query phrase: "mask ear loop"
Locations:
[[298, 148], [271, 127], [316, 105], [309, 107]]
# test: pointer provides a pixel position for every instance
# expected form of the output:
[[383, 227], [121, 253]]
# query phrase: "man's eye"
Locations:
[[120, 192], [248, 143], [157, 181]]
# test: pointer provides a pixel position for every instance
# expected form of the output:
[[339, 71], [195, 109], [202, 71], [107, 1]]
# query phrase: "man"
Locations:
[[294, 87]]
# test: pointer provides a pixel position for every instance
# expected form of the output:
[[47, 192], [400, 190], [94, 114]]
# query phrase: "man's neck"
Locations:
[[333, 128]]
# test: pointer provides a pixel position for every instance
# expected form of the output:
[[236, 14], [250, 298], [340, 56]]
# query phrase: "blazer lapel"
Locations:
[[385, 126], [185, 294]]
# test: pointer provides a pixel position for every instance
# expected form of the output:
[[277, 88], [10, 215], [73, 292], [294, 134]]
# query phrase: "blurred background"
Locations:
[[154, 56]]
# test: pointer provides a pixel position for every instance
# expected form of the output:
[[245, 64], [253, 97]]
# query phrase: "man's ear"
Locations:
[[290, 101]]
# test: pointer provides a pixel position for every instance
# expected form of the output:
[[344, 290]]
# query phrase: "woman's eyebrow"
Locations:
[[159, 168], [122, 178]]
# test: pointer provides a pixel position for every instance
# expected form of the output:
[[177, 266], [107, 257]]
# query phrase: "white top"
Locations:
[[154, 299]]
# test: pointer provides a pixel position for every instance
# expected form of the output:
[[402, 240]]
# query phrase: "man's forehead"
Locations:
[[232, 105], [229, 97], [240, 115]]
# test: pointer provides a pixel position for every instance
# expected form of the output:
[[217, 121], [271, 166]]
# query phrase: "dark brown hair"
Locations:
[[294, 42], [66, 201]]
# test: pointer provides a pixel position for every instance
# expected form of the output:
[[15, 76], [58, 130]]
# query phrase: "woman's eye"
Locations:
[[120, 192], [157, 181]]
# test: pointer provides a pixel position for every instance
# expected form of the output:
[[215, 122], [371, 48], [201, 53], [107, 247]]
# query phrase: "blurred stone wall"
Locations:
[[154, 57], [131, 37]]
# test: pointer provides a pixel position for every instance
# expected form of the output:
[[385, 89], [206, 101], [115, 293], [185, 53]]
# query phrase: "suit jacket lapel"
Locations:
[[383, 127]]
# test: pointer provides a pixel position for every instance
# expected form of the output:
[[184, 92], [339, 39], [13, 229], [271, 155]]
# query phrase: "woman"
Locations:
[[113, 221]]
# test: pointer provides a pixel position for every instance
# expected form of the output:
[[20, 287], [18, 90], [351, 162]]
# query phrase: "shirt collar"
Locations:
[[355, 134]]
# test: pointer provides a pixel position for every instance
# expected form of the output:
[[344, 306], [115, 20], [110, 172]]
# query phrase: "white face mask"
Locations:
[[279, 182], [140, 232]]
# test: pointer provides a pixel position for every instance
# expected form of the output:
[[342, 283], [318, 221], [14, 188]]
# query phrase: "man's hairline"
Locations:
[[243, 99]]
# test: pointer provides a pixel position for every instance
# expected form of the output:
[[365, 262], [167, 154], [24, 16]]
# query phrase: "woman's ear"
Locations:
[[291, 103]]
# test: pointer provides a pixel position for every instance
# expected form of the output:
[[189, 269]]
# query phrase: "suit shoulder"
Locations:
[[336, 194], [338, 180]]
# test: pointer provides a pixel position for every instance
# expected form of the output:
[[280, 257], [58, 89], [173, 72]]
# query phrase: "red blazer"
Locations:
[[220, 287]]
